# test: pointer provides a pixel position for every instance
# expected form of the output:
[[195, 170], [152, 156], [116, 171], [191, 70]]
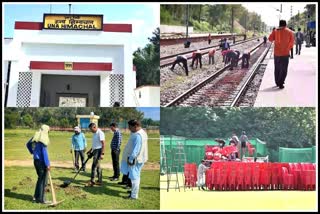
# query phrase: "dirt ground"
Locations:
[[68, 164]]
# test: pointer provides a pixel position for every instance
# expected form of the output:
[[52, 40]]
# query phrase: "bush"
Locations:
[[165, 17], [10, 120], [201, 26], [27, 120], [64, 123]]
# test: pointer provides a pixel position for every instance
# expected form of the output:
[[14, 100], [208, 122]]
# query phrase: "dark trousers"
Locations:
[[298, 48], [197, 58], [96, 165], [184, 62], [126, 180], [76, 155], [291, 53], [209, 41], [41, 169], [281, 69], [245, 61], [211, 59], [115, 163]]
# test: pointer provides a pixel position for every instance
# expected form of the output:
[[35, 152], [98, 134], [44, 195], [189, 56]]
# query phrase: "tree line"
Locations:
[[66, 117], [147, 62], [301, 19], [212, 18], [278, 127]]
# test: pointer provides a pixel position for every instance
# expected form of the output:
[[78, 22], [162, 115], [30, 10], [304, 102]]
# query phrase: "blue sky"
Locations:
[[144, 17], [150, 112]]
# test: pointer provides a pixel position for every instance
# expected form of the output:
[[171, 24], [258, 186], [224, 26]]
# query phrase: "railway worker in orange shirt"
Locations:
[[211, 56], [196, 56], [283, 42]]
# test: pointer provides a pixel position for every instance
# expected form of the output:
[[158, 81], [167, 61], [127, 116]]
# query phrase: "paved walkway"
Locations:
[[300, 85], [69, 164]]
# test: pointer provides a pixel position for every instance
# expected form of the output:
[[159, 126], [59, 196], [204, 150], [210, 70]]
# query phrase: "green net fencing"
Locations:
[[295, 155], [195, 148]]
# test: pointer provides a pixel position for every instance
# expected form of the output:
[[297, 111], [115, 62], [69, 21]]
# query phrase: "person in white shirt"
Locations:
[[98, 142], [202, 168], [136, 155]]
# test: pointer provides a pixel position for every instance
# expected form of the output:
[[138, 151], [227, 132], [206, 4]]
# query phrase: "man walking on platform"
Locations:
[[283, 41], [299, 41]]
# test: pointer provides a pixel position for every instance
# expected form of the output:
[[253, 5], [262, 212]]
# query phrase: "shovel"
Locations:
[[68, 182], [73, 161], [54, 200]]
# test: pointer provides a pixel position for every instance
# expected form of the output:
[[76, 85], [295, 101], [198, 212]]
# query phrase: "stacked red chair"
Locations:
[[255, 176], [240, 176], [251, 149], [295, 170], [208, 153], [275, 176], [228, 175], [248, 176], [190, 174], [209, 178], [265, 175], [231, 175], [308, 176], [287, 179]]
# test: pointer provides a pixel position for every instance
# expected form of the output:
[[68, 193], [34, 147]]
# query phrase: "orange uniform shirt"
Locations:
[[283, 41], [211, 52]]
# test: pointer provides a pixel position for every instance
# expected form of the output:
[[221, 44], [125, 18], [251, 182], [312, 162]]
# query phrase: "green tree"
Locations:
[[27, 120], [64, 123], [11, 119]]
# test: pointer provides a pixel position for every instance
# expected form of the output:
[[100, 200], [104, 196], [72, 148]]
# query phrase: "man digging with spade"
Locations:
[[98, 142]]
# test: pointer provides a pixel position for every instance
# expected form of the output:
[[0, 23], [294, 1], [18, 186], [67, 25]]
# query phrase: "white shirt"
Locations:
[[97, 138]]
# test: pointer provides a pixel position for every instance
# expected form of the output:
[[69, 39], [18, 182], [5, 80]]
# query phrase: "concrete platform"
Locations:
[[300, 85]]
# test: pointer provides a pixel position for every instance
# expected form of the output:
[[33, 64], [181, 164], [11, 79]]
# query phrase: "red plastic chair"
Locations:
[[255, 176], [248, 176], [209, 179], [287, 179], [232, 176], [275, 176], [190, 174], [223, 176], [297, 176], [240, 177], [308, 176], [265, 175]]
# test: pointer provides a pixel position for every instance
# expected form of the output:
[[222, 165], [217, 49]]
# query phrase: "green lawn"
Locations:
[[20, 182], [59, 149]]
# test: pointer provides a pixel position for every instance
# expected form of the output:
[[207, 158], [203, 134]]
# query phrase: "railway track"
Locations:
[[168, 60], [223, 88], [181, 38]]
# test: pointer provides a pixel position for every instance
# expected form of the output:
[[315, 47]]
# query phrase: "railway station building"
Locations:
[[69, 60]]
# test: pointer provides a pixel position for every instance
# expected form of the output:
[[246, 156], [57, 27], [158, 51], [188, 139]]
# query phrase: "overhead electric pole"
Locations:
[[187, 21], [231, 18]]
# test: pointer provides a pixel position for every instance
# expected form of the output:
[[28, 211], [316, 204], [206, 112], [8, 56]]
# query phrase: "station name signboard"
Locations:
[[72, 22]]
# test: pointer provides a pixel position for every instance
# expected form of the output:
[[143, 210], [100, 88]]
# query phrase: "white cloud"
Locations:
[[140, 32], [269, 13]]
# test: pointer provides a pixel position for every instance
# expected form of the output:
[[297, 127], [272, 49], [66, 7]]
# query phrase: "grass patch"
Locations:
[[59, 149], [19, 186]]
